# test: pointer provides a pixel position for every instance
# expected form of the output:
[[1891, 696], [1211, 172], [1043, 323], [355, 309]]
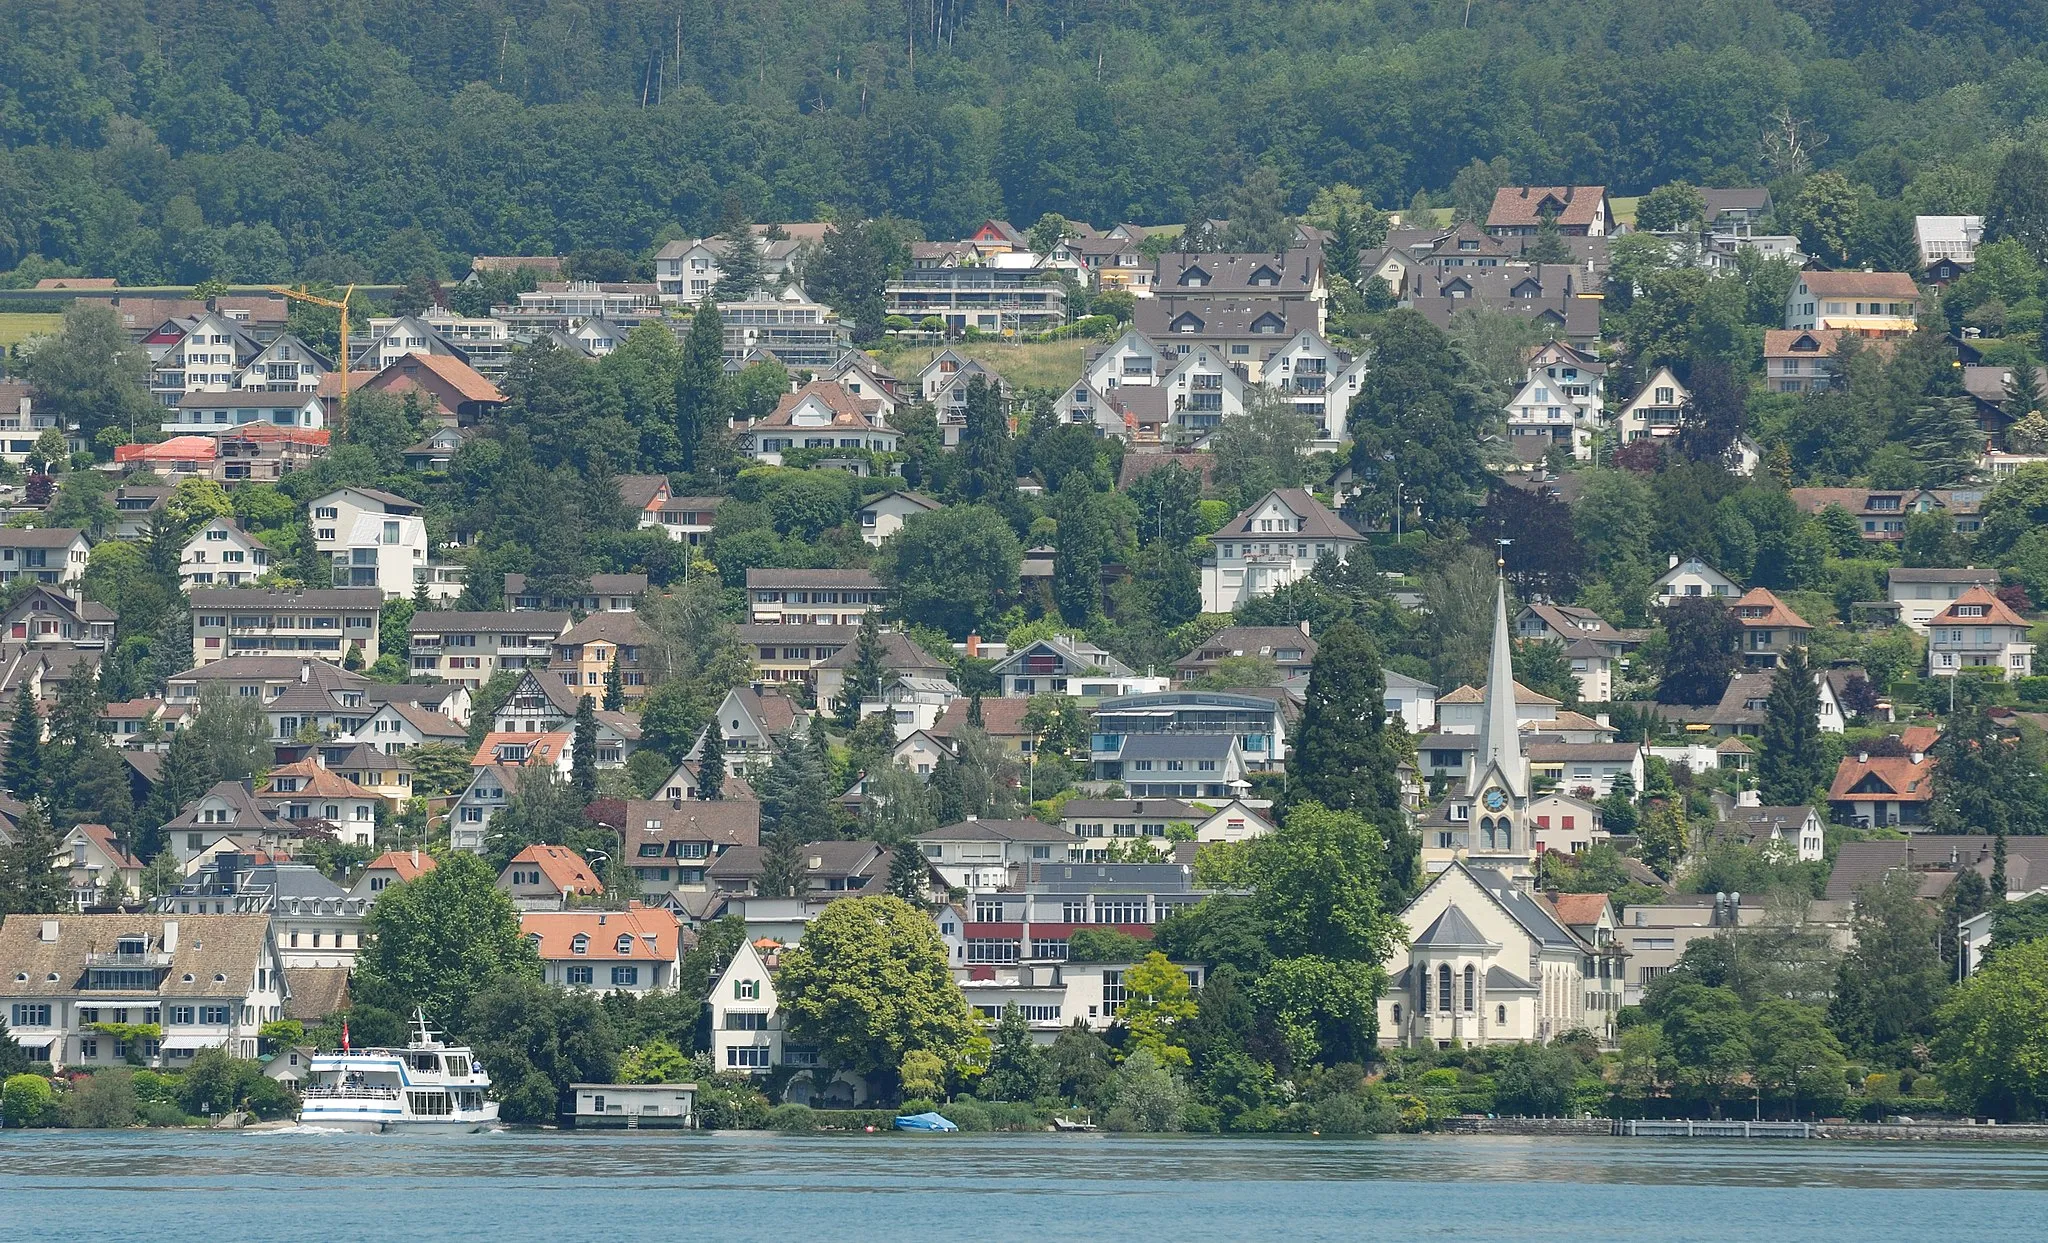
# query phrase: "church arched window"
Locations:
[[1507, 834], [1443, 987], [1471, 988], [1500, 1015], [1397, 1015]]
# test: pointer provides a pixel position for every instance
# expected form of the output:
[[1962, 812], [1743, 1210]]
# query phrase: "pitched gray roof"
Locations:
[[1452, 930], [252, 597], [997, 831]]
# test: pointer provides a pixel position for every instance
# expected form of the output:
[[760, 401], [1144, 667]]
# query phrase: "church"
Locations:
[[1488, 962], [1484, 820]]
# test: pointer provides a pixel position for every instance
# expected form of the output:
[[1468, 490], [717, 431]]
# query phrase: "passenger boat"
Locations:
[[426, 1086]]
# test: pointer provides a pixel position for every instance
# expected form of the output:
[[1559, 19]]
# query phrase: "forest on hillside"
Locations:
[[173, 140]]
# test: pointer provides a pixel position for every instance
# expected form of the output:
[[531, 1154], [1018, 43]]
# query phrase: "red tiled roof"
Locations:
[[1580, 908], [1908, 782], [1996, 611], [1861, 285], [1777, 614], [654, 934], [563, 867], [408, 864], [1523, 205]]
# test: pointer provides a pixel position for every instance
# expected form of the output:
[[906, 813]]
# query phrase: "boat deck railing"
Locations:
[[328, 1091]]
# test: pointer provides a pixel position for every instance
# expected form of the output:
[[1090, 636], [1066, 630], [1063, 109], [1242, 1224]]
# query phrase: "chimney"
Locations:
[[1674, 561], [415, 858], [1304, 625], [49, 932], [1918, 756], [1863, 757], [1749, 798], [305, 671], [974, 644], [1604, 719]]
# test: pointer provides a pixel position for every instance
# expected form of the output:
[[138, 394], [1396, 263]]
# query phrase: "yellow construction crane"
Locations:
[[341, 417]]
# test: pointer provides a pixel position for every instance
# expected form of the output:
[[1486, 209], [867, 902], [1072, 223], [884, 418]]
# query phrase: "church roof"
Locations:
[[1538, 922], [1502, 980], [1500, 738], [1452, 931]]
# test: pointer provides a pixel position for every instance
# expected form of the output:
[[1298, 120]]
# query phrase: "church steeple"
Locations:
[[1500, 737]]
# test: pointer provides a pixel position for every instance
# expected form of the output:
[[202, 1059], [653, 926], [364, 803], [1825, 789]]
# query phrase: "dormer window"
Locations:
[[580, 944], [624, 945], [1970, 610]]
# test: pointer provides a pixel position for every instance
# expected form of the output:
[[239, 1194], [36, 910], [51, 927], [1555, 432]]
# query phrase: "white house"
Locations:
[[207, 981], [1562, 399], [1874, 304], [43, 554], [1411, 699], [822, 416], [986, 854], [376, 539], [1978, 631], [1275, 542], [217, 414], [1318, 380], [1921, 593], [285, 365], [222, 554], [632, 951], [747, 1034], [1655, 410], [1694, 577], [886, 514], [1486, 963]]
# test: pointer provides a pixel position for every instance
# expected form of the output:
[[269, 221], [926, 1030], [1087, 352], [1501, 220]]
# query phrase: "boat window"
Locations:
[[425, 1061], [458, 1066], [428, 1104]]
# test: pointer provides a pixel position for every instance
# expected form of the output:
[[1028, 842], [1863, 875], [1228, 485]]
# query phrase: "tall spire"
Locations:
[[1500, 737]]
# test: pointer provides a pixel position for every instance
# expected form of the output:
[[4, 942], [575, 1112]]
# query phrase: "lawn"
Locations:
[[1052, 364], [18, 326]]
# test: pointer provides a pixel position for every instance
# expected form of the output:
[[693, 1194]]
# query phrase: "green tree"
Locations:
[[1823, 214], [987, 471], [2018, 206], [1017, 1069], [1549, 245], [1077, 554], [1158, 1000], [657, 1061], [1264, 446], [1415, 422], [438, 940], [24, 746], [30, 881], [954, 569], [739, 264], [1700, 651], [614, 685], [868, 985], [27, 1100], [702, 403], [1793, 762], [536, 1041], [91, 374], [1346, 752], [1670, 208], [711, 765], [583, 758], [1892, 979], [1991, 1036], [864, 680]]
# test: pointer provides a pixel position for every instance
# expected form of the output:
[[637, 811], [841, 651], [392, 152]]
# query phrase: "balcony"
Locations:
[[132, 962]]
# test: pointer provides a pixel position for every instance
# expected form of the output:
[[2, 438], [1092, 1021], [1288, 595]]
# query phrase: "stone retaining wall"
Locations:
[[1933, 1132]]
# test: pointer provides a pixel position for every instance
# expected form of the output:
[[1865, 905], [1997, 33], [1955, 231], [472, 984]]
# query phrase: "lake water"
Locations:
[[266, 1188]]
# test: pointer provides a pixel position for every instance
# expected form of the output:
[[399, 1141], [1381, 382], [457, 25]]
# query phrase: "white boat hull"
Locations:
[[366, 1122]]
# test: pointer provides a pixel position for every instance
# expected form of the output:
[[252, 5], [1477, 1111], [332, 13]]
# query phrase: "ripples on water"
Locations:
[[228, 1188]]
